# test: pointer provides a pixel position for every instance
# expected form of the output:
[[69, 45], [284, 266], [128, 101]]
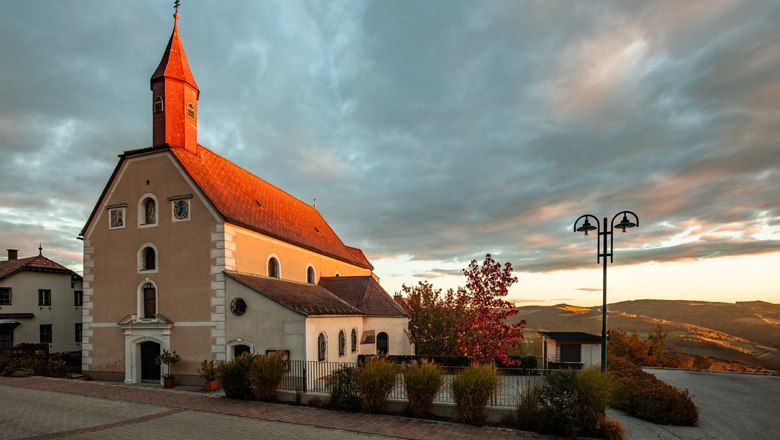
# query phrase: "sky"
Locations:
[[431, 133]]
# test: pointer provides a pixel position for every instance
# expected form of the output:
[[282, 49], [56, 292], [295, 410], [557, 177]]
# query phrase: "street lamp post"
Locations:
[[604, 250]]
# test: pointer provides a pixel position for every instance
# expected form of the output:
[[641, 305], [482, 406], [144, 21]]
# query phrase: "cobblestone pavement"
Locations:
[[47, 408]]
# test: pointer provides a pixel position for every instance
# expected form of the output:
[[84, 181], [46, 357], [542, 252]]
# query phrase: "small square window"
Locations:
[[116, 218], [46, 336], [78, 298], [5, 296], [44, 297]]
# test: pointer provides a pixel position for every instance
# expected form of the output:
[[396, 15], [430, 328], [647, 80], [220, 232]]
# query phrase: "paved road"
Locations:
[[46, 408], [731, 405]]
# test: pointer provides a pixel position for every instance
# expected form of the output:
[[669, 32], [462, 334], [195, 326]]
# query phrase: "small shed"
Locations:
[[571, 350]]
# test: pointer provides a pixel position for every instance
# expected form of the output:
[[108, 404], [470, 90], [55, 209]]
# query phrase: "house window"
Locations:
[[45, 334], [158, 104], [382, 343], [310, 277], [150, 301], [5, 296], [342, 343], [78, 332], [322, 347], [148, 259], [273, 267], [116, 218], [353, 342], [44, 297], [78, 298], [6, 336]]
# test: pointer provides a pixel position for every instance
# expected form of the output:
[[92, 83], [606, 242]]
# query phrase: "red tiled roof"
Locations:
[[305, 299], [37, 263], [249, 201], [174, 61], [364, 293]]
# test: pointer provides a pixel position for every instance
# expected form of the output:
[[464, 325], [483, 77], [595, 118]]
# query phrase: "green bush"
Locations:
[[343, 389], [233, 377], [423, 382], [375, 379], [645, 396], [471, 390], [570, 403], [265, 374]]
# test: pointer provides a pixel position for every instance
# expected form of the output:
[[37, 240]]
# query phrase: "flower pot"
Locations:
[[168, 383], [210, 385]]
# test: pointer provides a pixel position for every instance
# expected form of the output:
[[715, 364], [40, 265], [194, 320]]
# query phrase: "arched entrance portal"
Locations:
[[149, 369], [381, 343]]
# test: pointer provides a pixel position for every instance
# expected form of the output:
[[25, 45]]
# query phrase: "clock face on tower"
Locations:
[[181, 210]]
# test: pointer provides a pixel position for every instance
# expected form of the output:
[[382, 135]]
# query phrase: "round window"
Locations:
[[238, 306]]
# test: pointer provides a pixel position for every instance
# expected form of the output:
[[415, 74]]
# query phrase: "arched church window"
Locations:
[[150, 301], [191, 111], [322, 347], [148, 259], [158, 104], [310, 276], [382, 343], [353, 343], [273, 267], [342, 343]]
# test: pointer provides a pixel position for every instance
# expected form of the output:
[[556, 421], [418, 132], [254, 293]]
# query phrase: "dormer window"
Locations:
[[158, 104]]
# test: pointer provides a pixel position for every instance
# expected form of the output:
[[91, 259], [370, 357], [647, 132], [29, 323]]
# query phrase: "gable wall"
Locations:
[[187, 252]]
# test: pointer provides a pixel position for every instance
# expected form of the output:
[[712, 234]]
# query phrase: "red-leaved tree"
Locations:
[[486, 336]]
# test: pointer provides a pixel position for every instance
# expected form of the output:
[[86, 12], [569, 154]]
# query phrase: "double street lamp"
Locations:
[[604, 250]]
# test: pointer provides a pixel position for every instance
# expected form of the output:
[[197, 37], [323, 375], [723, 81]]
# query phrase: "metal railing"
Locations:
[[313, 376]]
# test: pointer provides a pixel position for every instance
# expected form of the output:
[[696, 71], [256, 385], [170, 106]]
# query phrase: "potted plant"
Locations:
[[208, 371], [167, 359]]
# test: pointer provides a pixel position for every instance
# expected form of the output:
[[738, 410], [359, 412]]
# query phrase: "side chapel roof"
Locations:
[[364, 293]]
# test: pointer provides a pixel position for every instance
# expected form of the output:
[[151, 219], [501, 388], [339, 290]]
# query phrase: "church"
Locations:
[[187, 251]]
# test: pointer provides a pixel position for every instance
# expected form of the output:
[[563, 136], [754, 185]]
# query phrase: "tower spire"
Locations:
[[174, 96]]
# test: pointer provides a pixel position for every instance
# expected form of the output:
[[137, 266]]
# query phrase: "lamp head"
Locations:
[[625, 223], [586, 227]]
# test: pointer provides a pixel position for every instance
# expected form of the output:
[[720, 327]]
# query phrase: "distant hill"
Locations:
[[744, 335]]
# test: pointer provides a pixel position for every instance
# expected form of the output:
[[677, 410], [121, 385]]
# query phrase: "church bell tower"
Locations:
[[174, 98]]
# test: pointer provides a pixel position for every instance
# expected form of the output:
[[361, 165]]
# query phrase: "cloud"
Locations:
[[442, 131]]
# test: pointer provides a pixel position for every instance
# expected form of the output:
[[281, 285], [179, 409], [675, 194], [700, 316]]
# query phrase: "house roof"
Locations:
[[38, 263], [363, 293], [572, 336], [174, 61], [249, 201], [302, 298]]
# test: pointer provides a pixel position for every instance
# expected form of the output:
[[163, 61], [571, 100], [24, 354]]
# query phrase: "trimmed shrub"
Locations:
[[422, 381], [233, 377], [471, 390], [570, 403], [265, 374], [645, 396], [343, 389], [375, 380]]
